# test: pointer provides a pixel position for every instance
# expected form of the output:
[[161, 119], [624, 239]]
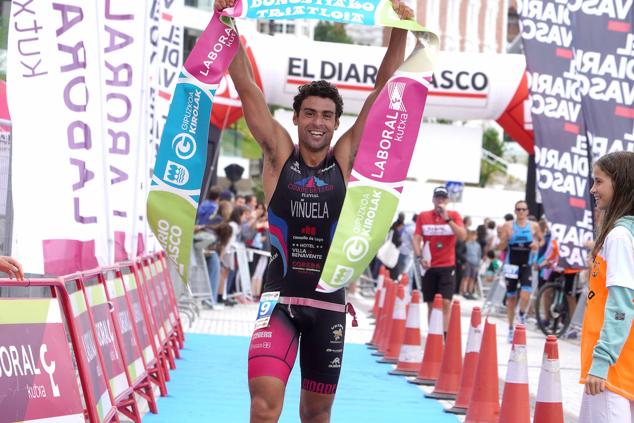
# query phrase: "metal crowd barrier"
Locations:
[[124, 329]]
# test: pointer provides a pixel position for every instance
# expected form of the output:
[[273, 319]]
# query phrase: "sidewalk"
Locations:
[[238, 321]]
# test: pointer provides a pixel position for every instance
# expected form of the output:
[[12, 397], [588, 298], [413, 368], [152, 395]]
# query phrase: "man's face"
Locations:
[[316, 122], [440, 201], [240, 201]]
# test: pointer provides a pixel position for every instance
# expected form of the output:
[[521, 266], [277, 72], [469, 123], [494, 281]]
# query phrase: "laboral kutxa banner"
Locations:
[[178, 172], [380, 167], [581, 100], [74, 73], [37, 377]]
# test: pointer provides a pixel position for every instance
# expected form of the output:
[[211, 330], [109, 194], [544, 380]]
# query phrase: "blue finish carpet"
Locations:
[[210, 385]]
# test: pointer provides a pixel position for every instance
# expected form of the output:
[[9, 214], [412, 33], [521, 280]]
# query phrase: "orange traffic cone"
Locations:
[[470, 363], [448, 383], [432, 357], [397, 331], [484, 406], [411, 352], [548, 404], [515, 399], [386, 318], [373, 344], [379, 285]]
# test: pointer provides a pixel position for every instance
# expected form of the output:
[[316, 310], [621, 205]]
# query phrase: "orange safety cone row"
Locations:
[[386, 318], [379, 285], [411, 352], [432, 356], [373, 344], [484, 406], [472, 352], [397, 331], [548, 404], [516, 399], [448, 383]]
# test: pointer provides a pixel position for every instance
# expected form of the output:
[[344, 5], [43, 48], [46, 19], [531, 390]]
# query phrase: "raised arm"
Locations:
[[265, 129], [346, 147]]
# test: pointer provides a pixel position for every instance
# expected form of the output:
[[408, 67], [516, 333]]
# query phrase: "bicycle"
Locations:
[[551, 308]]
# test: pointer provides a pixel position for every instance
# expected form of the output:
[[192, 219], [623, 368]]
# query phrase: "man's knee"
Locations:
[[265, 407], [315, 412]]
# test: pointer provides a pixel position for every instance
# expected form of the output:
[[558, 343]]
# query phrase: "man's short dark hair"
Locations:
[[214, 193], [322, 89], [508, 217]]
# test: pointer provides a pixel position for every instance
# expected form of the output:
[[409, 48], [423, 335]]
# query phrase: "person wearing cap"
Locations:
[[440, 228]]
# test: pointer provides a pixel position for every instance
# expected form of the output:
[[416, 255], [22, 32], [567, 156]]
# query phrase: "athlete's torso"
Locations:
[[303, 213], [519, 248]]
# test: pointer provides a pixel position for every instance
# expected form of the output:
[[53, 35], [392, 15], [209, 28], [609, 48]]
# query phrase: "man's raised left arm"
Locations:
[[346, 148]]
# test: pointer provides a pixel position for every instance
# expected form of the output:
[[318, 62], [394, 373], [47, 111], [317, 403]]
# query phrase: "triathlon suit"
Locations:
[[303, 214], [518, 256]]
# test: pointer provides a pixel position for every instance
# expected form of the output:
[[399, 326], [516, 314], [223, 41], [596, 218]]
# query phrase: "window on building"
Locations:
[[189, 40], [290, 28]]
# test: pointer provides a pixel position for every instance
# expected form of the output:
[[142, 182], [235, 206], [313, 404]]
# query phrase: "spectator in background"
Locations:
[[227, 195], [492, 237], [260, 242], [440, 227], [472, 259], [251, 201], [208, 207], [397, 230], [482, 234], [239, 215], [607, 340], [406, 251], [11, 267], [240, 200], [460, 253], [493, 266]]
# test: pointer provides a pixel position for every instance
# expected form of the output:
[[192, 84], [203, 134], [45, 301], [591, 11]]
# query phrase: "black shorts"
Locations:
[[319, 336], [523, 281], [439, 280]]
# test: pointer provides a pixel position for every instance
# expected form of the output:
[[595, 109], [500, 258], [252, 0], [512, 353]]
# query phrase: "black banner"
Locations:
[[580, 65]]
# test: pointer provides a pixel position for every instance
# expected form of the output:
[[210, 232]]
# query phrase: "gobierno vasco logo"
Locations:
[[176, 173]]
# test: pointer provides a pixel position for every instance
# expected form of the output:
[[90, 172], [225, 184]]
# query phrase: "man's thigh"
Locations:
[[273, 349], [446, 282], [321, 351], [430, 285]]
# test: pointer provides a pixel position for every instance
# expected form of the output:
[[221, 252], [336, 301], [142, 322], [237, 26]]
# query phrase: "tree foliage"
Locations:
[[332, 32], [491, 142]]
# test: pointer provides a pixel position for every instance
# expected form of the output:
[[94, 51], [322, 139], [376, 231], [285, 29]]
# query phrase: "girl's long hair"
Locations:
[[619, 167]]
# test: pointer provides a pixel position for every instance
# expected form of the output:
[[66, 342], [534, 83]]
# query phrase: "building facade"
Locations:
[[467, 25]]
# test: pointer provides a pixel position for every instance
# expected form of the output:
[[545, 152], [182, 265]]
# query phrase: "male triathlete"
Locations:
[[520, 238], [440, 227], [304, 189]]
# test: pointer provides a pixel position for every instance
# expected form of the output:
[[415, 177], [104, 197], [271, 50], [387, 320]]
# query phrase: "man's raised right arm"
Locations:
[[265, 129]]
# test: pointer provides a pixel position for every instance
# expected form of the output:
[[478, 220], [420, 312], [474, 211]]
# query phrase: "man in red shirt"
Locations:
[[440, 228]]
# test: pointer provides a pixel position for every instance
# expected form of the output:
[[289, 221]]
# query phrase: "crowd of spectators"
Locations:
[[224, 221]]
